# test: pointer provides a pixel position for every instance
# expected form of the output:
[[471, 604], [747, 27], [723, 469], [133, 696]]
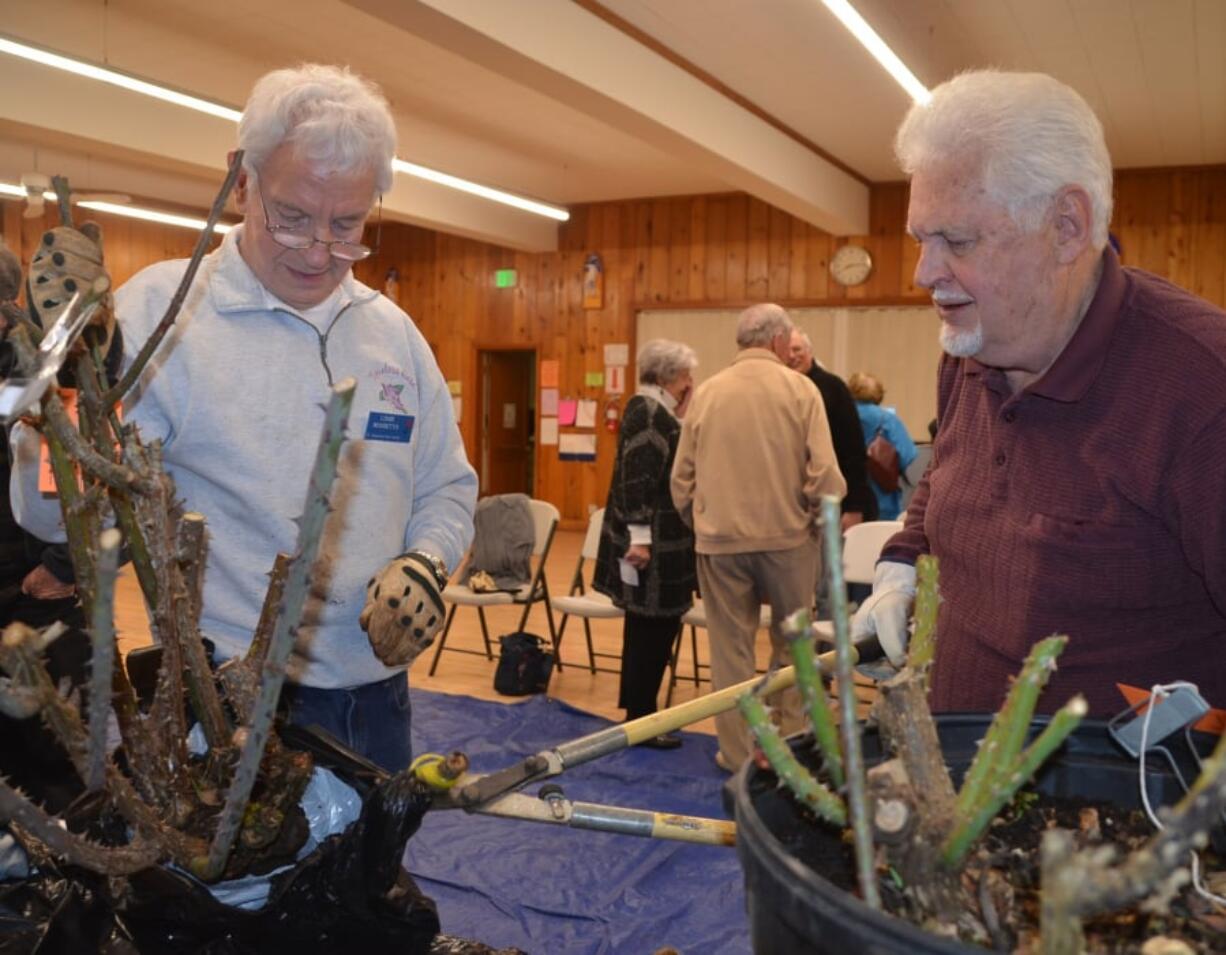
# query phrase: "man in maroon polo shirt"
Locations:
[[1078, 479]]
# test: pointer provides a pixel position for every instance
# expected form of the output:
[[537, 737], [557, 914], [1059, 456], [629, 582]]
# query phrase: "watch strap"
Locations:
[[433, 564]]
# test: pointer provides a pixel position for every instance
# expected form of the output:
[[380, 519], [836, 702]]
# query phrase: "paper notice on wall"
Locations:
[[585, 415], [549, 401], [455, 387], [593, 379], [566, 412], [457, 404], [549, 431], [615, 380], [577, 447], [549, 373], [617, 353]]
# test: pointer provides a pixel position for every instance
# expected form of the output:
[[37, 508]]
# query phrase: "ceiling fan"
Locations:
[[38, 186]]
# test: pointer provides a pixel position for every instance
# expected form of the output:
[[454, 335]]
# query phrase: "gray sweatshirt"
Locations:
[[236, 393]]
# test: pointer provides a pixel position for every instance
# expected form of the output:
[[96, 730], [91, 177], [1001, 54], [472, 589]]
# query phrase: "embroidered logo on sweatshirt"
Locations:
[[391, 394], [392, 383]]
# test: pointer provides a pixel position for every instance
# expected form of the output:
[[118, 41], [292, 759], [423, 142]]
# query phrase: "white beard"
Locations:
[[961, 343]]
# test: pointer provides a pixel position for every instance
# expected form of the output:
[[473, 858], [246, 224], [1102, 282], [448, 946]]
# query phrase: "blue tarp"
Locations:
[[552, 890]]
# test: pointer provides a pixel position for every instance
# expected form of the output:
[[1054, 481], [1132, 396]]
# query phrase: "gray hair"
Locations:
[[337, 121], [661, 361], [759, 325], [1033, 134]]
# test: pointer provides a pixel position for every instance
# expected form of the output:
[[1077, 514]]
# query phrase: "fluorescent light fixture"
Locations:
[[131, 212], [872, 42], [103, 75], [146, 88], [152, 215], [476, 189]]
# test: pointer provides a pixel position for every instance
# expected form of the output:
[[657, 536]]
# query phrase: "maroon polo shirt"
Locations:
[[1091, 503]]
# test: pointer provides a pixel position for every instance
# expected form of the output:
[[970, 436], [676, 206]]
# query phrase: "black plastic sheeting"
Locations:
[[552, 890], [350, 891]]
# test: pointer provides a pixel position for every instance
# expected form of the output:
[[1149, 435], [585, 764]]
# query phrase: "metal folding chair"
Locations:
[[544, 522]]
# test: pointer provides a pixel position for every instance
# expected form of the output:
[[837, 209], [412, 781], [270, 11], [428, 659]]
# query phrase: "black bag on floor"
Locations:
[[524, 665]]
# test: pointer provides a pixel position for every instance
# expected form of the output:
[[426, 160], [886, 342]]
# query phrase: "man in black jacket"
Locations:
[[859, 504]]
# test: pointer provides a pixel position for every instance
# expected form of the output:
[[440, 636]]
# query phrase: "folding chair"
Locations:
[[544, 522], [589, 606], [862, 546], [694, 618]]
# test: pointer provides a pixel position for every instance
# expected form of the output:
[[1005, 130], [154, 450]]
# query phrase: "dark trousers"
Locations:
[[372, 719], [647, 646]]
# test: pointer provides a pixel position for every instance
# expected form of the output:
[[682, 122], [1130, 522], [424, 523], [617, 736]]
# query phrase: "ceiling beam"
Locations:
[[568, 53]]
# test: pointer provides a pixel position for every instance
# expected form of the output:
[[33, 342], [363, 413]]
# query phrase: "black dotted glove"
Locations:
[[69, 260], [404, 610]]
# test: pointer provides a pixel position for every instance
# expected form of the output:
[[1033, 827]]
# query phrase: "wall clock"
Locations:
[[851, 265]]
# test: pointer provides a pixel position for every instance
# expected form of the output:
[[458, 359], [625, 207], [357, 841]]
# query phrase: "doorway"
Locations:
[[506, 438]]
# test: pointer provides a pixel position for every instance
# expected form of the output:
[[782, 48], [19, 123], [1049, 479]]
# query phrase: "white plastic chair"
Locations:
[[862, 545], [694, 618], [584, 603], [545, 519]]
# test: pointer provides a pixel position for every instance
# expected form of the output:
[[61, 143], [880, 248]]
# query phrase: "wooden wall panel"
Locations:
[[1173, 222], [725, 250], [731, 250], [130, 244]]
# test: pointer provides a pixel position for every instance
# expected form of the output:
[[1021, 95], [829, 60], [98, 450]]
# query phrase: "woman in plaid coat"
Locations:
[[646, 559]]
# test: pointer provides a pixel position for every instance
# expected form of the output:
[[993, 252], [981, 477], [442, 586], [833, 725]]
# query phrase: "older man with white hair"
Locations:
[[236, 393], [753, 462], [1078, 479]]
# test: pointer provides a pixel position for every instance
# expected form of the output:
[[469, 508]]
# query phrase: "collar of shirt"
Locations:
[[1077, 366], [235, 288], [660, 395], [755, 354]]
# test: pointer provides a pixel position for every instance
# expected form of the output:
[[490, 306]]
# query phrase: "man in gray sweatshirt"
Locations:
[[236, 395]]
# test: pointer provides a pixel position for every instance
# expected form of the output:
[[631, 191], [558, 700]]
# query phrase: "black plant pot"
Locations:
[[793, 909]]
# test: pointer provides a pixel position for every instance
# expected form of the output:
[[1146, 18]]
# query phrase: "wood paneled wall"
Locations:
[[721, 250], [130, 244], [693, 251], [1173, 222]]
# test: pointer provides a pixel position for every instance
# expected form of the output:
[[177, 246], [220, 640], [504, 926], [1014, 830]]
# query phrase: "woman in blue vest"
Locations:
[[875, 420]]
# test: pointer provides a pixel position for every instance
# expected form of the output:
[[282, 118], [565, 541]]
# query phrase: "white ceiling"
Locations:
[[551, 100]]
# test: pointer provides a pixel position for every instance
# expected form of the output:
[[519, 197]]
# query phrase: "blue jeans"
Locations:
[[372, 719]]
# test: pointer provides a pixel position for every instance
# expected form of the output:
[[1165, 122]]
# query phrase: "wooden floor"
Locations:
[[474, 675]]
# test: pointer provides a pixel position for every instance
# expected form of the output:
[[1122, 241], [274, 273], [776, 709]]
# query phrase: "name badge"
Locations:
[[384, 426]]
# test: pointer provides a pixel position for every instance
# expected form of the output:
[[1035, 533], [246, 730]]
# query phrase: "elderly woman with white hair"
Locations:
[[646, 559]]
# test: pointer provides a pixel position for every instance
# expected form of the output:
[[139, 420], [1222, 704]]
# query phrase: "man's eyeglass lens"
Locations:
[[337, 248]]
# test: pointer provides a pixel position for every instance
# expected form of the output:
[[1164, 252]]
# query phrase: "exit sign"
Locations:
[[505, 278]]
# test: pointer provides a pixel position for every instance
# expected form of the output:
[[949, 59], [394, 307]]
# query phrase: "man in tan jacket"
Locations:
[[754, 459]]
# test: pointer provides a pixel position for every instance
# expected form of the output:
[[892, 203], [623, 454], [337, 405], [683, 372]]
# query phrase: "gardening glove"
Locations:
[[68, 260], [886, 612], [404, 608]]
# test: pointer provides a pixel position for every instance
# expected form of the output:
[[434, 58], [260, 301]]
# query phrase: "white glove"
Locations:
[[885, 613], [404, 609]]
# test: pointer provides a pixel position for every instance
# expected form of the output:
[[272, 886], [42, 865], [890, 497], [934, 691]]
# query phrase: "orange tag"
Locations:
[[46, 476], [1212, 722]]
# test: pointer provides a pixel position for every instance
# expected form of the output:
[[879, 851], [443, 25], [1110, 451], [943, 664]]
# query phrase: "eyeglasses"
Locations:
[[292, 238]]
